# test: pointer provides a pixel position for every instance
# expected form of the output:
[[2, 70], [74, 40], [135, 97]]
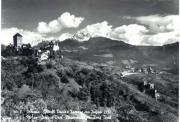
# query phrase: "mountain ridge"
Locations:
[[120, 50]]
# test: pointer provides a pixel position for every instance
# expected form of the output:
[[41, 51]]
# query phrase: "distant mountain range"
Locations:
[[96, 48]]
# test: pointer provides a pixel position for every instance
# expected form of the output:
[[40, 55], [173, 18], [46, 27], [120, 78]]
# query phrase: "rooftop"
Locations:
[[17, 34]]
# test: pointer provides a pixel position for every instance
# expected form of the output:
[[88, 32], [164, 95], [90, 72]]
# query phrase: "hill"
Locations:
[[90, 77]]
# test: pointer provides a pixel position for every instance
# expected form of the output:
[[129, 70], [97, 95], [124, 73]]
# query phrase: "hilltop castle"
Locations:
[[17, 41]]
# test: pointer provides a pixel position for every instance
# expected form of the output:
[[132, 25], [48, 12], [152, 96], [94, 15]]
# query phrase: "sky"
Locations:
[[137, 22]]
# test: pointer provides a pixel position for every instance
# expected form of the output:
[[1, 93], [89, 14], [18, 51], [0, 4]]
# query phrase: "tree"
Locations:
[[105, 93], [9, 51], [40, 105], [83, 94]]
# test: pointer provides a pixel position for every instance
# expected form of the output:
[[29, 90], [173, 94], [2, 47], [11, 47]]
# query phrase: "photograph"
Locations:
[[89, 60]]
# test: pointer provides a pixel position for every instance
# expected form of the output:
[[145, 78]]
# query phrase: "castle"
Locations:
[[17, 41]]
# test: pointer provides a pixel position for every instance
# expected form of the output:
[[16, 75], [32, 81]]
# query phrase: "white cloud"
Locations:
[[166, 29], [157, 23], [98, 29], [55, 26], [43, 27], [155, 30], [132, 34], [70, 21], [28, 36], [66, 20], [161, 38], [65, 36]]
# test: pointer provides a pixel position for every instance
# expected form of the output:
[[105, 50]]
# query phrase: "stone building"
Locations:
[[17, 41]]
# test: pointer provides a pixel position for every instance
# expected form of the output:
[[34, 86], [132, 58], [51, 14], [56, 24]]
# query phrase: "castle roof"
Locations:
[[17, 34]]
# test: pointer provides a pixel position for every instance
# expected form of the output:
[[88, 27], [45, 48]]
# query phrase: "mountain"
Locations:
[[81, 36], [101, 50]]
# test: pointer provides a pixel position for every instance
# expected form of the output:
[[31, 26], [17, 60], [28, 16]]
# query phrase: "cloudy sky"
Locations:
[[137, 22]]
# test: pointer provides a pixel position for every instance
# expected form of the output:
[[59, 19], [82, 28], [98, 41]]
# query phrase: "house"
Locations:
[[26, 46], [55, 47], [149, 89], [44, 56], [17, 41], [26, 50]]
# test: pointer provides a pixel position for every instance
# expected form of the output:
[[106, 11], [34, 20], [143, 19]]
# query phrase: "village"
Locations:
[[147, 86], [41, 55]]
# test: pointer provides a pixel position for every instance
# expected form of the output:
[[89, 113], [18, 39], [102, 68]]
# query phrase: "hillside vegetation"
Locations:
[[75, 85], [82, 82]]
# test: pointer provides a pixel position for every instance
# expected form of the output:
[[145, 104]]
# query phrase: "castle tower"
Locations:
[[17, 40]]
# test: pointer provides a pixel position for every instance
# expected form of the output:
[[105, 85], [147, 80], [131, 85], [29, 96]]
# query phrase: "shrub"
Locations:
[[83, 94]]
